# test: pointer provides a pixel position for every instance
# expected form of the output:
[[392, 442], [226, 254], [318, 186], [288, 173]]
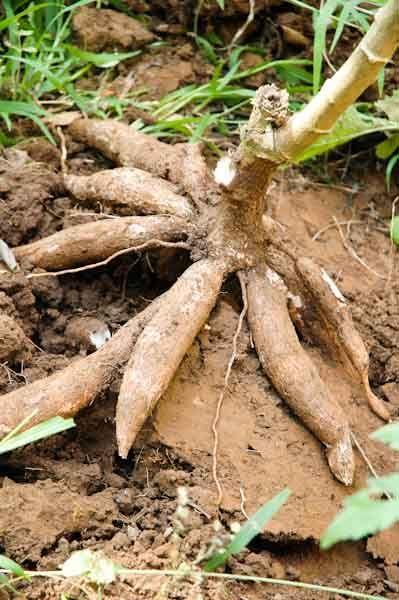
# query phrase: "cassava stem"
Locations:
[[285, 143]]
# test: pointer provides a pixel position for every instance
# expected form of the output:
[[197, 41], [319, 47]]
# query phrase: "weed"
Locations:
[[40, 66], [96, 569], [18, 438], [372, 509]]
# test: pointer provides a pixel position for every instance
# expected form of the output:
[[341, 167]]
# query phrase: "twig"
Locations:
[[364, 456], [353, 253], [102, 263], [245, 26], [200, 510], [222, 393], [180, 573], [332, 225], [243, 501]]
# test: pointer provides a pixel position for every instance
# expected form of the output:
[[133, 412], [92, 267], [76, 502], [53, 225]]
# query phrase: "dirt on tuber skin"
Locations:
[[292, 372], [162, 346], [129, 191], [226, 234], [94, 242]]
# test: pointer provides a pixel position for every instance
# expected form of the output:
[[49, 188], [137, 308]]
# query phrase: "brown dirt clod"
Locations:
[[106, 29]]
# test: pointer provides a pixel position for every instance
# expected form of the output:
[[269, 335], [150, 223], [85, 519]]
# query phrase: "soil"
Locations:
[[72, 492]]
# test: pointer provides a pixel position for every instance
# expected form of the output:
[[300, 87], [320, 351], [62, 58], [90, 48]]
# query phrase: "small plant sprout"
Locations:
[[20, 436], [242, 536]]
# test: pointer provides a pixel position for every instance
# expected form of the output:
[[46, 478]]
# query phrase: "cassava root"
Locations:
[[128, 191], [292, 373], [182, 164], [97, 241], [162, 346], [314, 289], [232, 239], [67, 392]]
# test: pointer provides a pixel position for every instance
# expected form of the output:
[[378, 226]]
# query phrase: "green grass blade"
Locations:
[[12, 567], [320, 24], [395, 222], [103, 60], [38, 432], [249, 530], [5, 23], [389, 434]]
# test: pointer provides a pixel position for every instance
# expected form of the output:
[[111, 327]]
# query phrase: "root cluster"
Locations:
[[165, 195]]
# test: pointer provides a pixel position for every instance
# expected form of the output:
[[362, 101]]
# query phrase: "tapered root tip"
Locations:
[[341, 459], [375, 403], [123, 452], [125, 441]]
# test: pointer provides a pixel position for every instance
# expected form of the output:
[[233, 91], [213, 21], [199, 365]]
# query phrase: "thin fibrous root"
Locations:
[[230, 364], [338, 326], [292, 372], [162, 346], [180, 163], [127, 191], [97, 241], [67, 392]]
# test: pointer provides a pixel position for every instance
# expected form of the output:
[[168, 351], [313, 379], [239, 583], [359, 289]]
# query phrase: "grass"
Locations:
[[186, 573], [40, 67], [41, 72]]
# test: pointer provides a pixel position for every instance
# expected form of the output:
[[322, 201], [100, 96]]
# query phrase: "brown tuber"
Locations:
[[162, 346], [128, 191], [94, 242], [221, 222]]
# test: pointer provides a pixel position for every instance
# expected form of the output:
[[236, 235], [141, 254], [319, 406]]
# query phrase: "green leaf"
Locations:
[[389, 434], [389, 485], [102, 60], [321, 21], [393, 161], [12, 567], [250, 529], [390, 106], [220, 3], [351, 125], [364, 517], [384, 149], [207, 49], [38, 432], [92, 565]]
